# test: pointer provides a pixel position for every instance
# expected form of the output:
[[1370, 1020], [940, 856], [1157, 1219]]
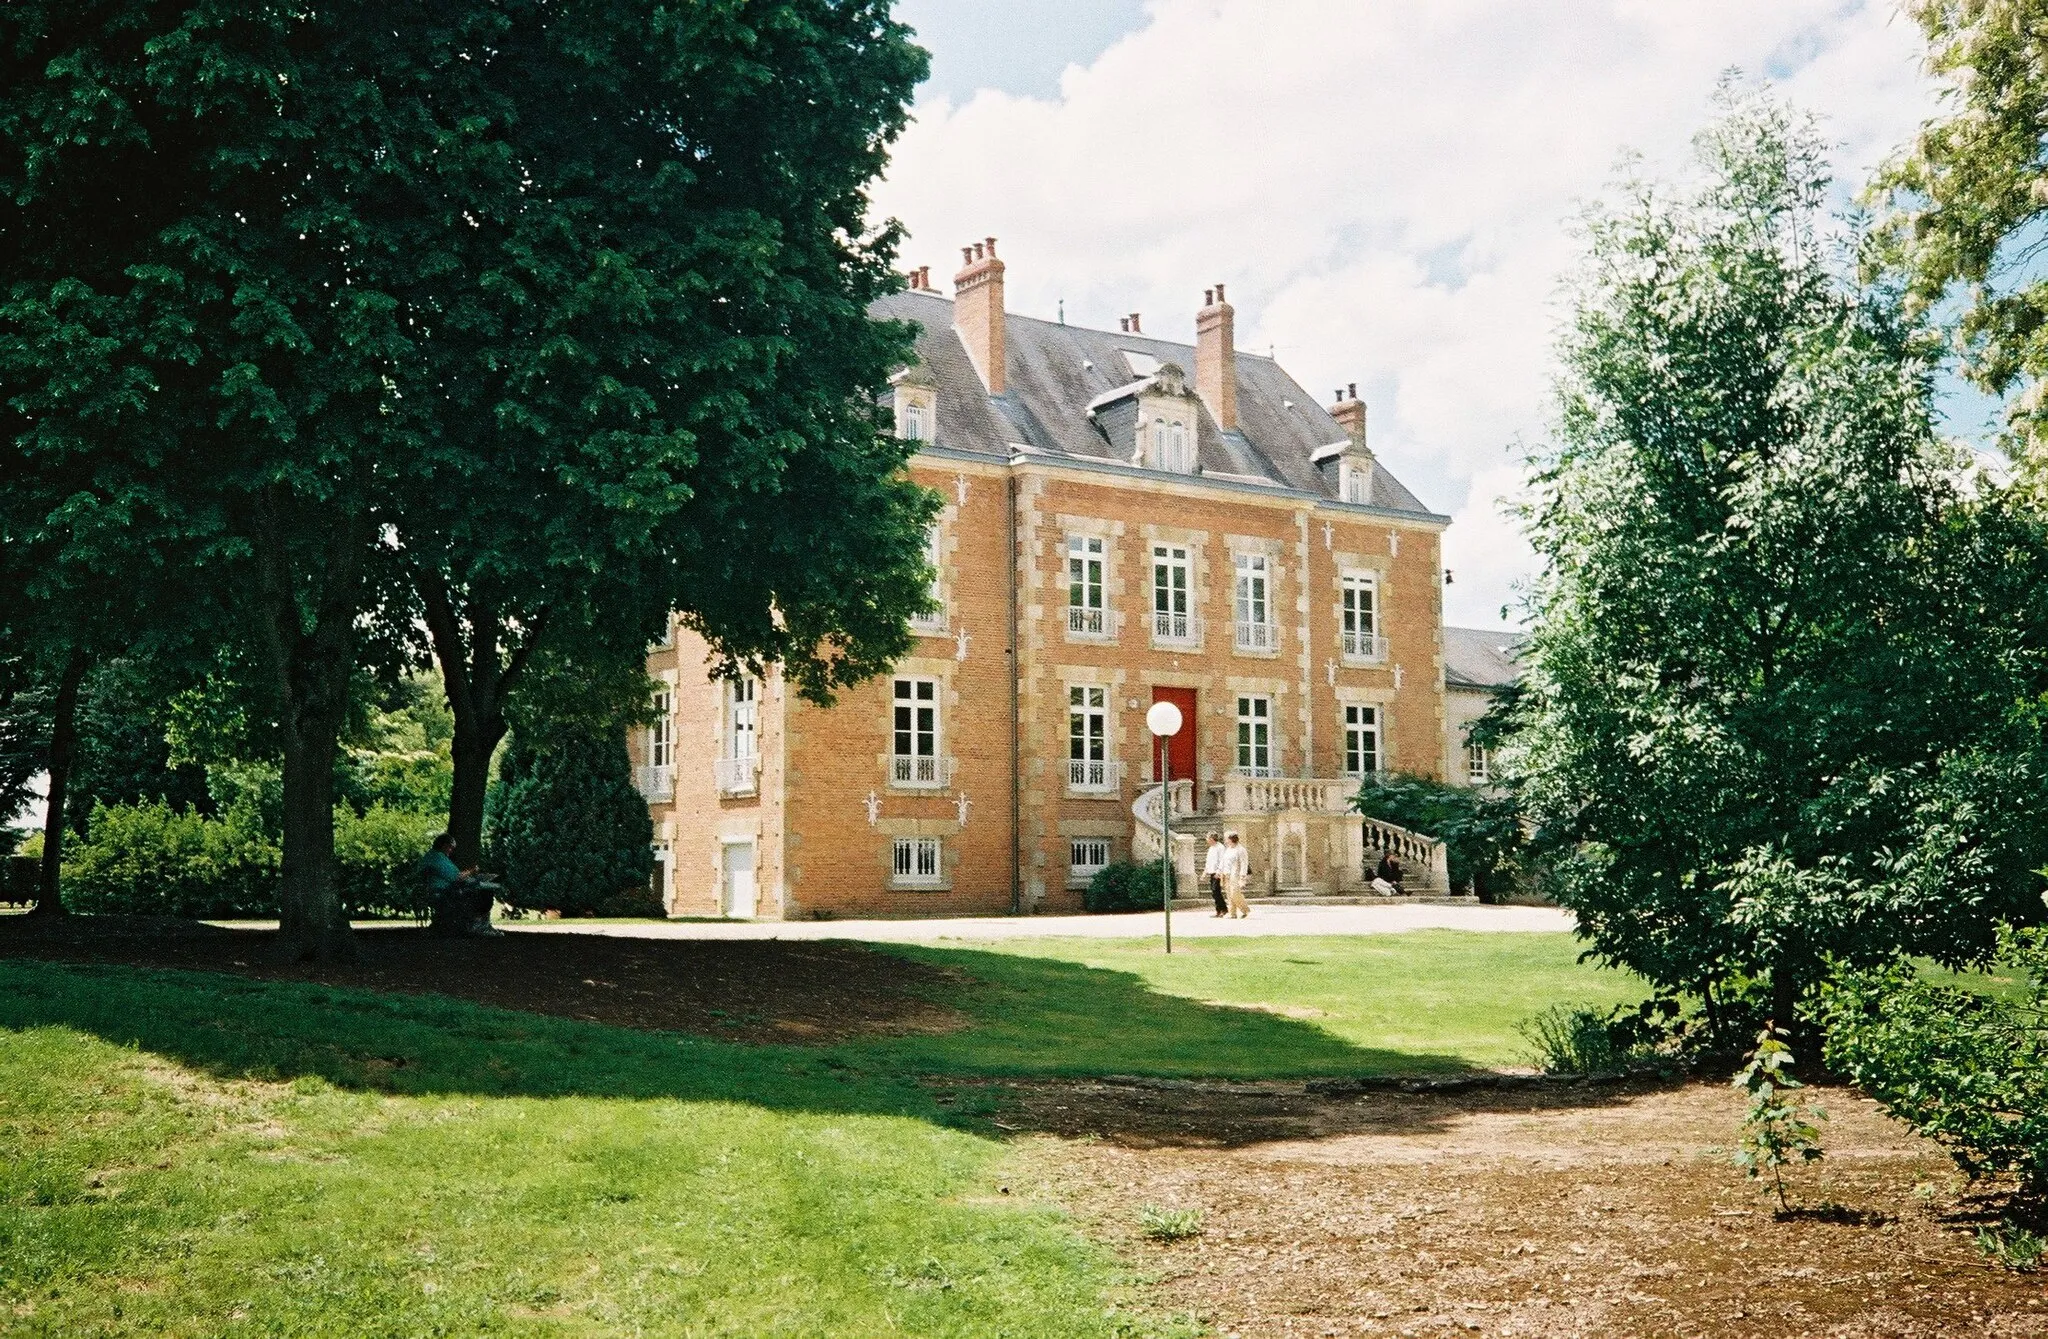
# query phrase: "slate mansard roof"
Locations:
[[1480, 658], [1055, 372]]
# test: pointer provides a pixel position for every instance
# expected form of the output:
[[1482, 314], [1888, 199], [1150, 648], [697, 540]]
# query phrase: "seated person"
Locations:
[[461, 901], [1386, 880]]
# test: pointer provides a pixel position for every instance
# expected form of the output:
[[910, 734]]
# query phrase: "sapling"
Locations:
[[1777, 1130]]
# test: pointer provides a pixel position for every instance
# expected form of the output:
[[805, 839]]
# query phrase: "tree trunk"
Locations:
[[478, 677], [473, 747], [312, 923], [311, 666], [63, 745]]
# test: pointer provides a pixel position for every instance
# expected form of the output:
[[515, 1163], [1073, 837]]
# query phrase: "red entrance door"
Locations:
[[1180, 748]]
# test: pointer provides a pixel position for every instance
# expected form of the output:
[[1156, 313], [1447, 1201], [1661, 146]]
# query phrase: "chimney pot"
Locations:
[[1137, 326], [1208, 297], [1123, 323], [1353, 388], [966, 255], [1219, 292], [991, 248]]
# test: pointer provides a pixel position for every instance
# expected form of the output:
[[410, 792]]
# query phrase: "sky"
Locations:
[[1385, 188]]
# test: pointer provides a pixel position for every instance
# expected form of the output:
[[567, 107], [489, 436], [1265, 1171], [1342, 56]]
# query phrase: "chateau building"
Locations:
[[1479, 667], [1127, 520]]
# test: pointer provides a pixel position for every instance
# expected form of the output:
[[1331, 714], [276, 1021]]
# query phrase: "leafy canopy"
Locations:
[[1766, 645]]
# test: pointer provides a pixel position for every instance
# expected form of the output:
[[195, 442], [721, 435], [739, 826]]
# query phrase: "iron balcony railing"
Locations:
[[740, 775], [657, 783], [1364, 646]]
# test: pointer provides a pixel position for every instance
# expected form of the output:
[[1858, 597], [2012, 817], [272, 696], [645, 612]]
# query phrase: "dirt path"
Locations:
[[1559, 1214]]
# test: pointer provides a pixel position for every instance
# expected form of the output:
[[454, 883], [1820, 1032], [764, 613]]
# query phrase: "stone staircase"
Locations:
[[1304, 839]]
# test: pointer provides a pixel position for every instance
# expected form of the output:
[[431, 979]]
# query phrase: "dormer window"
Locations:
[[916, 397], [1354, 481]]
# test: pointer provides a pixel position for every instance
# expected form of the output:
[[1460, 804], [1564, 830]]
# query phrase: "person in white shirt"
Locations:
[[1237, 869], [1212, 870]]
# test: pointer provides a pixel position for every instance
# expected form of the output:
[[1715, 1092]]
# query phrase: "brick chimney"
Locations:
[[1349, 411], [1216, 357], [978, 311]]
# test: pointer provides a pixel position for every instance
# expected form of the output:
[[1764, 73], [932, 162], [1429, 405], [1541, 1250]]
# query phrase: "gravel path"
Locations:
[[1264, 920]]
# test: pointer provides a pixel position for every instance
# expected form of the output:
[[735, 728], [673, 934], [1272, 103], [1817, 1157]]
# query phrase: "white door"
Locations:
[[738, 878]]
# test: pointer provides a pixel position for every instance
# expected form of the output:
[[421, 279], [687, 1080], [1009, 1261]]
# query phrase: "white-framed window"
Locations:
[[1172, 447], [1354, 482], [1087, 611], [914, 733], [1086, 857], [661, 737], [935, 621], [1173, 616], [1255, 630], [1361, 739], [1478, 764], [917, 425], [1088, 763], [740, 755], [1361, 617], [1255, 736], [667, 636], [917, 861]]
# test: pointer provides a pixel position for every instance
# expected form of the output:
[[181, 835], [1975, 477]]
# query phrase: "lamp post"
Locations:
[[1163, 720]]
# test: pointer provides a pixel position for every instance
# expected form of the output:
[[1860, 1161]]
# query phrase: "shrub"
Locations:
[[1124, 887], [1161, 1224], [1775, 1130], [153, 860], [568, 829], [1571, 1039], [377, 856], [1968, 1070], [1481, 832]]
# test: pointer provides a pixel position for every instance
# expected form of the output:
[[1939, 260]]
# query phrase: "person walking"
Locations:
[[1212, 870], [1237, 869]]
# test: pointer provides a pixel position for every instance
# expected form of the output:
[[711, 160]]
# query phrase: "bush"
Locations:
[[153, 860], [1162, 1224], [1481, 833], [569, 830], [1124, 887], [1571, 1039], [377, 856], [1967, 1070]]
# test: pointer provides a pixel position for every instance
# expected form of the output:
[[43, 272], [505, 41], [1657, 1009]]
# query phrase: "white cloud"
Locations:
[[1383, 186]]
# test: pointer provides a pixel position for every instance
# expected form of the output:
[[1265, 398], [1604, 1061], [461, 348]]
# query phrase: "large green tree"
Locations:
[[509, 308], [1768, 629]]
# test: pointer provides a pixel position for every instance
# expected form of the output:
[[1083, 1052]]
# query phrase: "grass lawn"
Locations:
[[1423, 1001], [193, 1154]]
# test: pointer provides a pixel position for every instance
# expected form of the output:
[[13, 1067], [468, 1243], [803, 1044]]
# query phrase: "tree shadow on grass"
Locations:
[[1026, 1026]]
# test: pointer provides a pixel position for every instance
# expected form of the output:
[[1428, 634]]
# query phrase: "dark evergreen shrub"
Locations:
[[1124, 887], [567, 830]]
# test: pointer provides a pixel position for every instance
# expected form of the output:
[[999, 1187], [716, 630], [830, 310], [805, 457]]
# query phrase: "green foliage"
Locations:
[[569, 832], [1481, 831], [1164, 1224], [1776, 1131], [153, 860], [1768, 714], [2016, 1248], [377, 856], [566, 306], [1123, 886], [1571, 1039], [1968, 189], [1967, 1069]]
